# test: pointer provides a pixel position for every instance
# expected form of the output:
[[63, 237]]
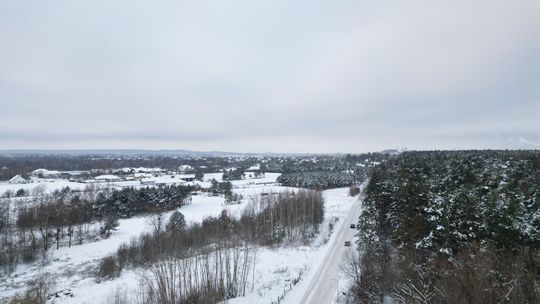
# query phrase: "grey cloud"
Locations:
[[529, 142], [313, 76]]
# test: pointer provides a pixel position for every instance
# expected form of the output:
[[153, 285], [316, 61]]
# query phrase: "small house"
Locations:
[[17, 179], [187, 178], [107, 178]]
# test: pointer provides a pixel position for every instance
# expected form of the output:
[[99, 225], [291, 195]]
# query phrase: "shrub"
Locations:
[[109, 268], [119, 296], [354, 190], [37, 292], [20, 192], [110, 224]]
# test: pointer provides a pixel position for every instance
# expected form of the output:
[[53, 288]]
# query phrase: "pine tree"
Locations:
[[110, 224], [177, 222]]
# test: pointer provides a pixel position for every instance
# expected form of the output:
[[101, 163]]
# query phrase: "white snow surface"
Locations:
[[52, 184], [276, 268], [107, 177], [71, 267]]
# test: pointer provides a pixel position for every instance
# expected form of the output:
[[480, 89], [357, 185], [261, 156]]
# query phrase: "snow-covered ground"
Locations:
[[73, 266], [277, 269], [324, 283], [49, 185]]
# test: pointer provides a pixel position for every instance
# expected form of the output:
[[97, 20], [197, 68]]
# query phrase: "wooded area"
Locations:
[[451, 227]]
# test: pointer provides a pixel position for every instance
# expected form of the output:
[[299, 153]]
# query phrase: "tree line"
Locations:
[[23, 164], [224, 246], [321, 179], [64, 219], [451, 227]]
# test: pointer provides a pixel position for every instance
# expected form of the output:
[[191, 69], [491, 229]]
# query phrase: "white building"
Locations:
[[17, 179], [107, 178], [185, 168], [45, 173]]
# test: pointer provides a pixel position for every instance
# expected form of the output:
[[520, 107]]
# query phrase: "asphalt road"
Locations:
[[324, 284]]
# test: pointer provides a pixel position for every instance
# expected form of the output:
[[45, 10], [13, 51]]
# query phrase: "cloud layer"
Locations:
[[280, 76]]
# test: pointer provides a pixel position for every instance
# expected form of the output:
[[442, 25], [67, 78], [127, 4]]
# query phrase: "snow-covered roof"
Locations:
[[185, 168], [45, 172], [254, 167], [17, 179], [74, 172], [140, 169], [107, 177]]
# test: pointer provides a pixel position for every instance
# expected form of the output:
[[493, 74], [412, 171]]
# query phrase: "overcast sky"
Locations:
[[270, 75]]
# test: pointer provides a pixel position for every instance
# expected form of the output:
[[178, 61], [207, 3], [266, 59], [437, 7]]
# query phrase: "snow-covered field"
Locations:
[[49, 185], [276, 269]]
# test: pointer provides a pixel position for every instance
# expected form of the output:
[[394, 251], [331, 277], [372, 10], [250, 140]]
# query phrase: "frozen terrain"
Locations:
[[287, 271]]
